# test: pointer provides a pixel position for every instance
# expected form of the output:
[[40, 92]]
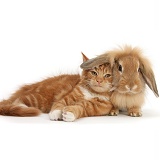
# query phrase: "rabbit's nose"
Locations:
[[131, 87]]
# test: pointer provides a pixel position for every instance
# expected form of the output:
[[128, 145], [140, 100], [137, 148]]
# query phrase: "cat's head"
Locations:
[[99, 78]]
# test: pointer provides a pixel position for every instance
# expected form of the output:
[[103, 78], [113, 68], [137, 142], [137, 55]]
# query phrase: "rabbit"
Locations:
[[131, 72]]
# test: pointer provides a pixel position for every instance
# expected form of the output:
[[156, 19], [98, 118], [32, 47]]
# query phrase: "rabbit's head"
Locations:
[[131, 71]]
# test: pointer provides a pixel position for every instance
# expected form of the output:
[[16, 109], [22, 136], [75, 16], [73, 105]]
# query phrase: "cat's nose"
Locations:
[[99, 81]]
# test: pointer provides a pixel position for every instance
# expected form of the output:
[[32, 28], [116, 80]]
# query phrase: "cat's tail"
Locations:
[[15, 110]]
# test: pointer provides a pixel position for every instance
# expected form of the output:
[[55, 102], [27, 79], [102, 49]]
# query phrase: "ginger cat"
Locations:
[[31, 100], [90, 97]]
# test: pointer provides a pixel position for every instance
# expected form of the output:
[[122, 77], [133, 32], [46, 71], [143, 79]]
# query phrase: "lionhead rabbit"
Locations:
[[131, 71]]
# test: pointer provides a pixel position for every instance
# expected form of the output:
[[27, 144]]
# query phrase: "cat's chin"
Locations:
[[99, 89]]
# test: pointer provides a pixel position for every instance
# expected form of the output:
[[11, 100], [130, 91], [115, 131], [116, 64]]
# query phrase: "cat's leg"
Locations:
[[18, 108], [20, 103], [86, 108]]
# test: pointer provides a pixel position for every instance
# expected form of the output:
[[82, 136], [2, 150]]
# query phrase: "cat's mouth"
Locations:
[[99, 88]]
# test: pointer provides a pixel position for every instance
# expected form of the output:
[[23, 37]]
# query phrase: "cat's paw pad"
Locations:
[[135, 114], [55, 115], [68, 116]]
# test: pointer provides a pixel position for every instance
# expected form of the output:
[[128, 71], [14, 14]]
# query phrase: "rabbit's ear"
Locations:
[[101, 59], [91, 63], [148, 75]]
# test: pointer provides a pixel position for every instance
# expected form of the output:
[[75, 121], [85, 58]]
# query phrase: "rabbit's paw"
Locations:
[[134, 112], [114, 112]]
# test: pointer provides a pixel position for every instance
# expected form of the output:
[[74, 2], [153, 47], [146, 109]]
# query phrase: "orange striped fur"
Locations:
[[90, 97], [85, 95], [31, 100]]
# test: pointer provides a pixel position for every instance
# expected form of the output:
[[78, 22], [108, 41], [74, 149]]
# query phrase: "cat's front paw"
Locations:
[[55, 115], [68, 116]]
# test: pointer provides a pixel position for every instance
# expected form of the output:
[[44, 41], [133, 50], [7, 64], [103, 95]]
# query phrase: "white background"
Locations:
[[42, 38]]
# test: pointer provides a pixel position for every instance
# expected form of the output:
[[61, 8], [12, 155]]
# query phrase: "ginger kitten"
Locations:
[[31, 100], [90, 97]]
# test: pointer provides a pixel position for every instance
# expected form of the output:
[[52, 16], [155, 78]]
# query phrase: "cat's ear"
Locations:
[[85, 58]]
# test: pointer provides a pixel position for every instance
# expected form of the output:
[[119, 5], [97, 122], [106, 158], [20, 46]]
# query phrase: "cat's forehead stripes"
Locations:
[[104, 67]]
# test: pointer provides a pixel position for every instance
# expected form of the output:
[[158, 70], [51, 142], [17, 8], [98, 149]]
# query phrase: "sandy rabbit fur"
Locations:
[[131, 72]]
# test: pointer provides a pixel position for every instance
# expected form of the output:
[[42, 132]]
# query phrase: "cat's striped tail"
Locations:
[[15, 110]]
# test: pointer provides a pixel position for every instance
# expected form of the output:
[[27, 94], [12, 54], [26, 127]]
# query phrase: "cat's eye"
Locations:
[[107, 75], [120, 68], [94, 73]]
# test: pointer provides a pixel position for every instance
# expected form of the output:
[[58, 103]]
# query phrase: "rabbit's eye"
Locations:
[[139, 69], [120, 68]]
